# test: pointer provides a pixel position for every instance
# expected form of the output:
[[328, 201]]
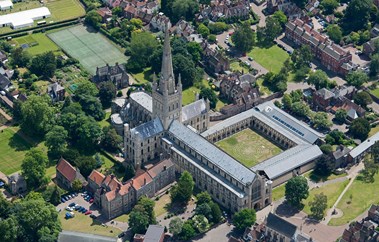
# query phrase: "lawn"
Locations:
[[357, 199], [39, 43], [91, 48], [272, 58], [332, 191], [373, 131], [235, 66], [85, 224], [375, 92], [162, 204], [317, 178], [189, 94], [12, 150], [106, 121], [110, 167], [248, 147], [262, 88], [278, 192], [143, 77]]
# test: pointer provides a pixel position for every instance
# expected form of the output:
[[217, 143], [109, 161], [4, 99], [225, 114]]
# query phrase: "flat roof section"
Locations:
[[24, 17]]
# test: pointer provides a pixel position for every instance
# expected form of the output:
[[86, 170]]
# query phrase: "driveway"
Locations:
[[222, 37], [258, 10], [255, 65]]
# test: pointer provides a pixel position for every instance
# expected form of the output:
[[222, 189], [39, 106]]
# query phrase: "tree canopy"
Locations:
[[319, 79], [319, 205], [56, 140], [184, 8], [244, 38], [209, 94], [335, 33], [107, 92], [44, 64], [363, 98], [360, 128], [110, 139], [182, 192], [142, 45], [357, 15], [243, 219], [93, 19], [296, 190], [329, 6], [357, 78], [33, 168]]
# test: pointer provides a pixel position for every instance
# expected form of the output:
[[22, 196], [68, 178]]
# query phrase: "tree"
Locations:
[[142, 45], [300, 3], [374, 65], [9, 229], [142, 215], [56, 140], [302, 56], [300, 109], [77, 185], [5, 207], [117, 11], [203, 30], [243, 219], [334, 31], [33, 168], [86, 165], [244, 38], [326, 149], [218, 27], [146, 205], [273, 29], [375, 152], [324, 166], [93, 19], [107, 92], [186, 68], [36, 115], [215, 212], [362, 98], [201, 223], [110, 140], [296, 190], [203, 209], [341, 115], [319, 79], [195, 50], [329, 6], [44, 64], [203, 197], [182, 192], [129, 172], [370, 170], [136, 22], [320, 120], [187, 230], [86, 88], [19, 57], [319, 205], [281, 17], [52, 194], [184, 8], [91, 106], [175, 226], [87, 133], [360, 128], [357, 15], [357, 78], [209, 94]]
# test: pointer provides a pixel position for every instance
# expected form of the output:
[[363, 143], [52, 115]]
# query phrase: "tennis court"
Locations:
[[89, 47]]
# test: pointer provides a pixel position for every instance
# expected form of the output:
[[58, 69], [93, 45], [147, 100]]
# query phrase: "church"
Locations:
[[158, 125]]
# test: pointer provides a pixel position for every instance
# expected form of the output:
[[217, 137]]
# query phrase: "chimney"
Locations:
[[131, 181], [164, 167], [144, 181]]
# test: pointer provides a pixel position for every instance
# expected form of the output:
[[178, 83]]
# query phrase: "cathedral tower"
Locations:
[[167, 97]]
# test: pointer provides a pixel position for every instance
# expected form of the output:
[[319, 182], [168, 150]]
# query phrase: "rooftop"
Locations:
[[97, 177], [159, 167], [154, 233], [24, 17], [69, 236], [143, 99], [280, 225], [66, 169], [193, 109], [148, 129], [364, 145]]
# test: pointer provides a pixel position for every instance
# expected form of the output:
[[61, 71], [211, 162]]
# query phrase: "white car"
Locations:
[[69, 209]]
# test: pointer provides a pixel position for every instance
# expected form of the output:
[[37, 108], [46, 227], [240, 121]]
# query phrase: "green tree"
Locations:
[[110, 140], [187, 230], [215, 212], [218, 27], [329, 6], [5, 207], [175, 226], [142, 45], [300, 3], [184, 8], [87, 133], [52, 194], [91, 106], [209, 94], [375, 152], [19, 57], [200, 223], [319, 79], [296, 190], [243, 219], [357, 78], [56, 140], [281, 17], [324, 165], [301, 109], [273, 29], [334, 31], [117, 11], [86, 88], [136, 22], [287, 101], [374, 65], [301, 57], [44, 64], [86, 165], [146, 205], [9, 229], [203, 30], [182, 192], [203, 197], [326, 149], [93, 19], [370, 170], [212, 38], [142, 215], [244, 38], [320, 120], [33, 168], [195, 50], [203, 209], [360, 128], [363, 98], [186, 68], [107, 92], [341, 115], [129, 172], [77, 185], [37, 115], [357, 15], [318, 206]]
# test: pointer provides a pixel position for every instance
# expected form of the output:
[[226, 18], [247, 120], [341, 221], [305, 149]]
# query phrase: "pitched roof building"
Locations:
[[116, 74], [66, 174], [56, 92]]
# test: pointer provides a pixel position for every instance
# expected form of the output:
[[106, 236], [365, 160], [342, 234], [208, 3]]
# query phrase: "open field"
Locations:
[[332, 191], [357, 199], [272, 58], [38, 43], [278, 192], [83, 223], [12, 150], [375, 92], [89, 47], [106, 121], [248, 147], [162, 204]]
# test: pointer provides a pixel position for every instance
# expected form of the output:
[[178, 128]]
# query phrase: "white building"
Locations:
[[24, 18], [5, 5]]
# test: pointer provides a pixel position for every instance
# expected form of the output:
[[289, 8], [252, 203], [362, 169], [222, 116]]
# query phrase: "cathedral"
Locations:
[[158, 125]]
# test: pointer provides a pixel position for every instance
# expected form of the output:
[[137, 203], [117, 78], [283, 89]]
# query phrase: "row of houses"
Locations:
[[331, 55], [225, 9]]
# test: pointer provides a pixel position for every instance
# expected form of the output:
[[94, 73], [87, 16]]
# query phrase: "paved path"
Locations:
[[6, 116], [258, 10]]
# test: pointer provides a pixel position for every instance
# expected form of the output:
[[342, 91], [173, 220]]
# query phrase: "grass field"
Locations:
[[162, 204], [332, 191], [12, 151], [373, 131], [106, 121], [83, 223], [278, 192], [40, 41], [248, 147], [272, 58], [189, 94], [357, 199], [144, 76], [375, 92], [89, 47]]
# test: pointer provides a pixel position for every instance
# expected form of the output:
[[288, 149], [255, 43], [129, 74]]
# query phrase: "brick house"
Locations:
[[66, 174], [331, 55], [105, 14], [214, 60]]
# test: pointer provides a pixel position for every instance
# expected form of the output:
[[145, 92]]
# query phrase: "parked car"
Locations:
[[93, 216], [231, 33], [88, 212], [84, 210], [77, 207], [121, 235], [91, 200], [72, 205], [69, 215], [63, 200], [69, 209], [250, 59]]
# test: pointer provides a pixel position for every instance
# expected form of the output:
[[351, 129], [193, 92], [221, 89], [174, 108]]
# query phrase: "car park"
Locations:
[[88, 212], [72, 205], [69, 209], [63, 200]]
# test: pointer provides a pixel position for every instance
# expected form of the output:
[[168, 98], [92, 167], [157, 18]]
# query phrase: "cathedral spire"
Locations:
[[167, 80]]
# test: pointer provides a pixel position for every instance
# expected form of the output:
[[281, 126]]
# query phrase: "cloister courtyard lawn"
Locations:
[[357, 199], [278, 192], [248, 147]]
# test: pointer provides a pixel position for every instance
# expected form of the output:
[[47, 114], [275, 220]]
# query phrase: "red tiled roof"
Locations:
[[97, 177], [159, 167], [141, 180], [66, 169]]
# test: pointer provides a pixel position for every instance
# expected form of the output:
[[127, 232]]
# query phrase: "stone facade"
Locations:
[[66, 174], [116, 74]]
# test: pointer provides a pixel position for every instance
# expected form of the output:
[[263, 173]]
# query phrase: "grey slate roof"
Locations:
[[288, 160], [213, 154], [340, 152], [193, 109], [154, 233], [148, 129], [71, 236], [365, 145], [325, 93], [4, 81], [144, 99], [280, 225]]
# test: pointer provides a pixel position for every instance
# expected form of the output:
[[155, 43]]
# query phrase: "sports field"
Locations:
[[37, 43], [89, 47], [248, 147]]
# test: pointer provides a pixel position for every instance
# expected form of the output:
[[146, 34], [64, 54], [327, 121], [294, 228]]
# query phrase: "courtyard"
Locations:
[[248, 147]]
